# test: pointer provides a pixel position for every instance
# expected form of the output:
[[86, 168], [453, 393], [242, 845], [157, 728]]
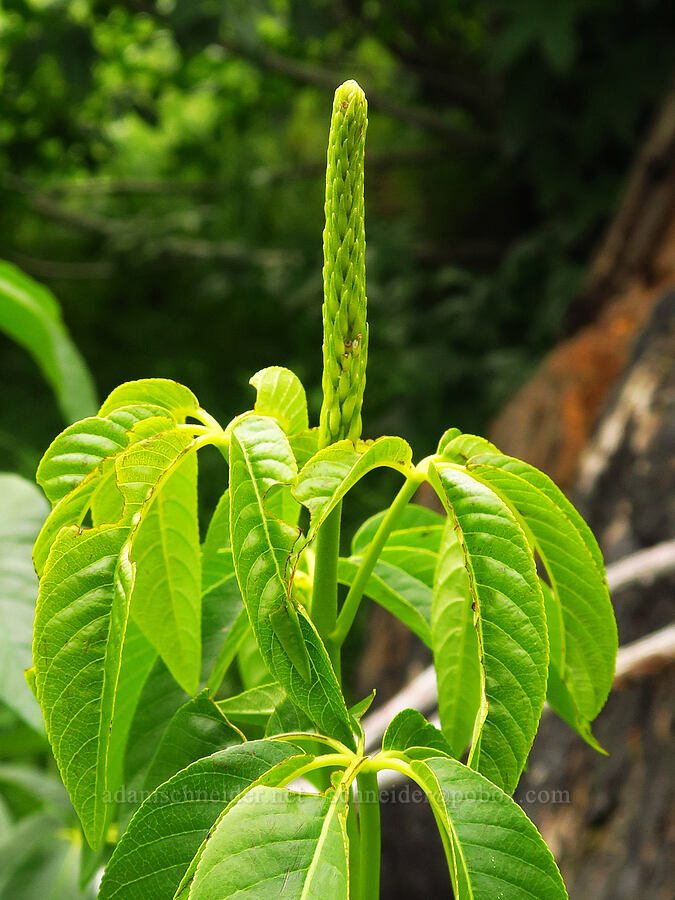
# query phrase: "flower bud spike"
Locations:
[[345, 330]]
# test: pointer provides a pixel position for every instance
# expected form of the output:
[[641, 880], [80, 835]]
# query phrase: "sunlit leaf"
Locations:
[[511, 622]]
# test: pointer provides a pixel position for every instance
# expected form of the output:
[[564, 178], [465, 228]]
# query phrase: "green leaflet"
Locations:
[[166, 554], [166, 832], [510, 619], [79, 628], [260, 459], [493, 848], [62, 466], [454, 643], [80, 624], [274, 842], [586, 653], [30, 314], [83, 446], [175, 399], [254, 706], [409, 729], [197, 729], [22, 511], [332, 472], [280, 394]]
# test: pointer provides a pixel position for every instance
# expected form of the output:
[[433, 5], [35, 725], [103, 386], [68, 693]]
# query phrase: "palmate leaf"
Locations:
[[273, 843], [260, 459], [493, 849], [511, 623], [332, 472], [80, 624], [22, 512], [168, 829], [454, 641], [30, 314]]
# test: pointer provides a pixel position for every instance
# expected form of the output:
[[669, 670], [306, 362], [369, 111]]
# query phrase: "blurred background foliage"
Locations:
[[161, 170]]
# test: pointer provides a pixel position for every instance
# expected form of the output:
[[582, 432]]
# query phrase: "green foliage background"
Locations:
[[161, 169]]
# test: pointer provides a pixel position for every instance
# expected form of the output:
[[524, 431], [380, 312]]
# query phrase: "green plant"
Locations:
[[138, 625]]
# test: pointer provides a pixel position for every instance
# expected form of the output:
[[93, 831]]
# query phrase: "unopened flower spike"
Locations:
[[345, 330]]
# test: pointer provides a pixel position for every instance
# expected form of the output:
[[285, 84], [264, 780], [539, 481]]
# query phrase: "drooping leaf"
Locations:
[[454, 640], [280, 394], [494, 849], [169, 827], [409, 729], [277, 843], [30, 314], [22, 511], [333, 471], [511, 622], [586, 653], [197, 729], [260, 458]]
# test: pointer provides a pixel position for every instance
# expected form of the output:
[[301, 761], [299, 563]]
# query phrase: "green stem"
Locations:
[[324, 593], [355, 595], [369, 820]]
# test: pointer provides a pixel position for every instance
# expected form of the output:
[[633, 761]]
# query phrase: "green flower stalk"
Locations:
[[345, 330]]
